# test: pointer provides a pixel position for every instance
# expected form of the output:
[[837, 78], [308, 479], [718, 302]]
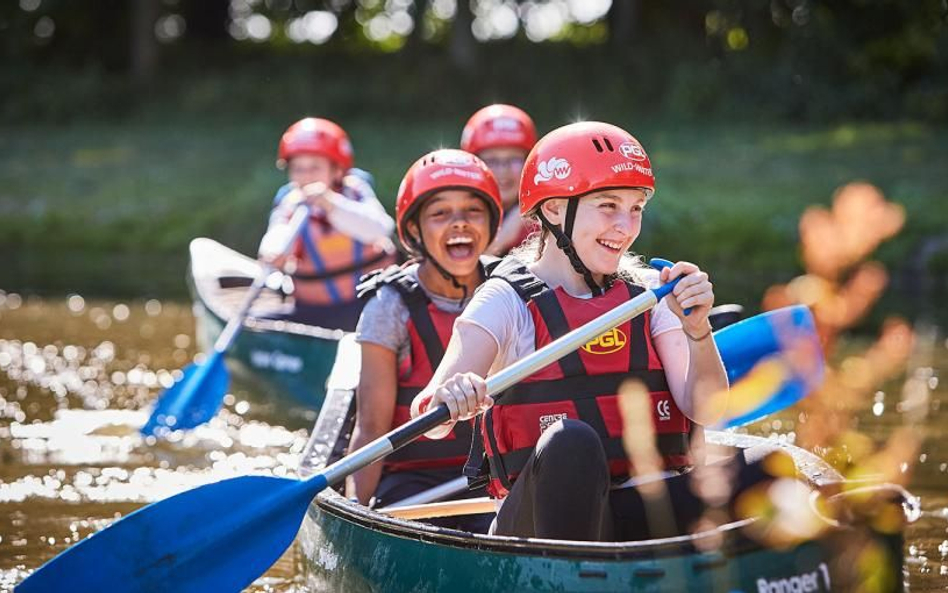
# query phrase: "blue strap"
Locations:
[[319, 265], [357, 262], [363, 175], [281, 193]]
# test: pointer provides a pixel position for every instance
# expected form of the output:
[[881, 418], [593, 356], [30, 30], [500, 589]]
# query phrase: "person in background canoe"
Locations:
[[553, 444], [348, 231], [448, 211], [502, 135]]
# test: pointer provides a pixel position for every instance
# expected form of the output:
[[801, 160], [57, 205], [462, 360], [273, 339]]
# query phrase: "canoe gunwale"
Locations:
[[341, 508], [206, 290], [734, 542]]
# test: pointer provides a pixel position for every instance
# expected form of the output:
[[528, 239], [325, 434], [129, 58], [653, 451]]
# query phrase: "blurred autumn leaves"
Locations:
[[841, 284]]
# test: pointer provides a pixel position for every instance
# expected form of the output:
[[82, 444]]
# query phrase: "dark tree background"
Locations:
[[789, 59]]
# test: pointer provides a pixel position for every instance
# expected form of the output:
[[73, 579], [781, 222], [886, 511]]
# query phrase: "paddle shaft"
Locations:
[[229, 334], [496, 384], [741, 346], [439, 492]]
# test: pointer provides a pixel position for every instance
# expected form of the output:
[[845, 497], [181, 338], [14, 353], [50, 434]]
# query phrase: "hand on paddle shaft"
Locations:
[[278, 240], [741, 345], [694, 293], [188, 543], [197, 396], [690, 297]]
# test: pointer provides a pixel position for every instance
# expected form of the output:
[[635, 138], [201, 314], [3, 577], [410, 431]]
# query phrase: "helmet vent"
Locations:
[[608, 144], [597, 145]]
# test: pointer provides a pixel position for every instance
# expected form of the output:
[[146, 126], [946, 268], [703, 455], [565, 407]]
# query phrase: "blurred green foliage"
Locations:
[[750, 110], [795, 60], [109, 208]]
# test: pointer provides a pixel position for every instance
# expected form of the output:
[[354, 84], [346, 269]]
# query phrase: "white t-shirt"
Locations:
[[361, 216], [384, 319], [498, 309]]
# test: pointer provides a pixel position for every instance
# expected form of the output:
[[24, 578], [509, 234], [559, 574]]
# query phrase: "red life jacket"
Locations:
[[429, 330], [582, 385], [330, 263]]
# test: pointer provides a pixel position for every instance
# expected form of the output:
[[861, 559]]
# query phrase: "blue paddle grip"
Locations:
[[665, 289]]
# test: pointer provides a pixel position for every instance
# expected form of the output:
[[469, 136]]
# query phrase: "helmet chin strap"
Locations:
[[565, 243]]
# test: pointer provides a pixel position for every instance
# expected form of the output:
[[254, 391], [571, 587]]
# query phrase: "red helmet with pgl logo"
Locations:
[[441, 170], [580, 158], [318, 136], [498, 126]]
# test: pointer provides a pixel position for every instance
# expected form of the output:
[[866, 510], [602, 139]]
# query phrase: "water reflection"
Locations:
[[74, 390], [926, 550], [76, 378]]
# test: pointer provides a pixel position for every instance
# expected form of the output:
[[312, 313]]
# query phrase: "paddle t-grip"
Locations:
[[660, 264]]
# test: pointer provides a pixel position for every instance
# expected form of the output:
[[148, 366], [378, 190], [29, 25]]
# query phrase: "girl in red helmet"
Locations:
[[502, 135], [448, 211], [553, 444], [348, 232]]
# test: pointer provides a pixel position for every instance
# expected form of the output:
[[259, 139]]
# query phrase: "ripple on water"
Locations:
[[72, 399], [77, 377]]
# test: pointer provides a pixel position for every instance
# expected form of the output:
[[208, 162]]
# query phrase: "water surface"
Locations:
[[76, 379]]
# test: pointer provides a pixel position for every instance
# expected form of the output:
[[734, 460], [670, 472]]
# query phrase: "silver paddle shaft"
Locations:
[[496, 383], [439, 492], [295, 225]]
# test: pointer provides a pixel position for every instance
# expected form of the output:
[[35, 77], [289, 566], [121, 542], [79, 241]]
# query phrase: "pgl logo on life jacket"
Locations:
[[663, 408], [607, 343]]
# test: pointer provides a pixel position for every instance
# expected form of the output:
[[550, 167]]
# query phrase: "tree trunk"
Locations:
[[463, 47], [417, 34], [623, 22], [144, 44], [207, 20]]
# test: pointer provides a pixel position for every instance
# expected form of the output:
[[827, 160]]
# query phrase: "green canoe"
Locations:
[[349, 547], [285, 364]]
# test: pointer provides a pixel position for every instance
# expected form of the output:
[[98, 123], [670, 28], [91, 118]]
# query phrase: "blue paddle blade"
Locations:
[[745, 343], [773, 336], [218, 537], [191, 401], [789, 393]]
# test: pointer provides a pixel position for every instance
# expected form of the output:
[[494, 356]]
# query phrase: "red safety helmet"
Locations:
[[315, 135], [443, 169], [497, 126], [580, 158]]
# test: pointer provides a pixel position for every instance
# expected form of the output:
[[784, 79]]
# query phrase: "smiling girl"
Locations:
[[553, 444], [448, 211]]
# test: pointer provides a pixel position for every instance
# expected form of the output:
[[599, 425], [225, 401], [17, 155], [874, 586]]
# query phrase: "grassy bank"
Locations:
[[109, 208]]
